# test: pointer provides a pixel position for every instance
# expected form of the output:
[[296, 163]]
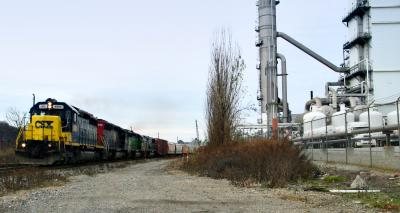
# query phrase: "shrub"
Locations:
[[270, 162]]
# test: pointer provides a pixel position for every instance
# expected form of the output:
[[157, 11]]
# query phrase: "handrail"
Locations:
[[19, 136]]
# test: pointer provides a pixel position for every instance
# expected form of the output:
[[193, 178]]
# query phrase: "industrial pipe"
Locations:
[[317, 101], [329, 84], [334, 99], [284, 87], [312, 53], [353, 101]]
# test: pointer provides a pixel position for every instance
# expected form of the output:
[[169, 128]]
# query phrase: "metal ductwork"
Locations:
[[352, 101], [316, 101], [329, 84], [284, 87], [312, 53]]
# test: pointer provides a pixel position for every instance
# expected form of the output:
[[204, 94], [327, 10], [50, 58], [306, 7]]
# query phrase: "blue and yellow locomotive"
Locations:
[[58, 132]]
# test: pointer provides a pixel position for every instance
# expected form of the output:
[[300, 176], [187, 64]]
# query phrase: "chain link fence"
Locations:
[[365, 135]]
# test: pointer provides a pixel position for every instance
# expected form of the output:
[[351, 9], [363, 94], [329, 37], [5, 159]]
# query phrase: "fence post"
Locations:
[[346, 132], [369, 137], [398, 120], [326, 139], [312, 141], [326, 134]]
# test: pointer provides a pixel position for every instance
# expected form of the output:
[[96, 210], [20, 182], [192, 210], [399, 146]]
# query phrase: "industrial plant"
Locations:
[[365, 98]]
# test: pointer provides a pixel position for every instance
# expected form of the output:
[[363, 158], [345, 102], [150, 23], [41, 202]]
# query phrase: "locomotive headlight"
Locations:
[[23, 145], [49, 105], [49, 145]]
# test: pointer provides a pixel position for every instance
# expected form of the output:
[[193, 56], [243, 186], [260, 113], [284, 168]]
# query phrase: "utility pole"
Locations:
[[197, 134]]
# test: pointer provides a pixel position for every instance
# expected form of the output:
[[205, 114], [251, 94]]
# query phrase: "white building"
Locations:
[[374, 38]]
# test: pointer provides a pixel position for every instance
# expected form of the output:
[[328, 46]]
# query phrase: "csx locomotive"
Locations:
[[62, 133]]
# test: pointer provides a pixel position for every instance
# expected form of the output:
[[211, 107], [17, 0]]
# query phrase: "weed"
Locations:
[[270, 162], [334, 179], [380, 200]]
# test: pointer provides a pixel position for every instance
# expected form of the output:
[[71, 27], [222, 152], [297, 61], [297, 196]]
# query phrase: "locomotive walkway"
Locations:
[[151, 187]]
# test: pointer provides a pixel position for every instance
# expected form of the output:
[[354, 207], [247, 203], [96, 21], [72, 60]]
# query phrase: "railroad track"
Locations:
[[11, 167]]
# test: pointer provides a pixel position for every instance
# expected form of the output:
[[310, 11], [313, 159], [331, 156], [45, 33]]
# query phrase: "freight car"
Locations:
[[161, 147], [171, 148], [60, 133]]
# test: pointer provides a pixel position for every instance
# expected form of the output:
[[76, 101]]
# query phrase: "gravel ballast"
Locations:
[[150, 187]]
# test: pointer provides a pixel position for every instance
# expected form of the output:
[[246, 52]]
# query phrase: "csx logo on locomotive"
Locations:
[[44, 124]]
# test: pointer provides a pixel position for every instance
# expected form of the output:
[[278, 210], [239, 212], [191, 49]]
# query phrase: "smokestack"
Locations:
[[268, 51], [311, 95]]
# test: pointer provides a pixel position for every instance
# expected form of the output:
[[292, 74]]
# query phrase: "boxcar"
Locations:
[[171, 148], [179, 148], [161, 147]]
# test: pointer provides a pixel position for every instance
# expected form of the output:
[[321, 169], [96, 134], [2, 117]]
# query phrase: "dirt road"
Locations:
[[149, 187]]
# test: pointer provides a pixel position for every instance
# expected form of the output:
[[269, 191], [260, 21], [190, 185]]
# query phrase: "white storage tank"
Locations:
[[313, 121], [339, 119], [376, 118], [392, 118]]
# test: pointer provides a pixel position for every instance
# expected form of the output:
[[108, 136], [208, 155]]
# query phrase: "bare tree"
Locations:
[[224, 89], [15, 117]]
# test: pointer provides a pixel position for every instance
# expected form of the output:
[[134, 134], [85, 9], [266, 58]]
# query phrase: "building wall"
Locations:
[[383, 3], [381, 157], [382, 21], [353, 31], [385, 47]]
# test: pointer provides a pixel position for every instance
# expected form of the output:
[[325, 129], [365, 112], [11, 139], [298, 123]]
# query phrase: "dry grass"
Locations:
[[28, 178], [271, 163], [38, 177], [7, 155]]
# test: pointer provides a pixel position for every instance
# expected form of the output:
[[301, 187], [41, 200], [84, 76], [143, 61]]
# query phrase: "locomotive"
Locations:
[[61, 133]]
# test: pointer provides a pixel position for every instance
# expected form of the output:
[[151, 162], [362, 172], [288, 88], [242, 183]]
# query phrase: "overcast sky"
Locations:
[[144, 63]]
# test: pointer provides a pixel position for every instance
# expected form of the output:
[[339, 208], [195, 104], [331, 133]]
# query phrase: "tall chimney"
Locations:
[[268, 52]]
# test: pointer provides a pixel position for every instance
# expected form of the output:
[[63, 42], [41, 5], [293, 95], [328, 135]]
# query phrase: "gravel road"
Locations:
[[150, 187]]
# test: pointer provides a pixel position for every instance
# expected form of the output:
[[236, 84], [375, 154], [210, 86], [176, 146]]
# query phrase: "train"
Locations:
[[59, 133]]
